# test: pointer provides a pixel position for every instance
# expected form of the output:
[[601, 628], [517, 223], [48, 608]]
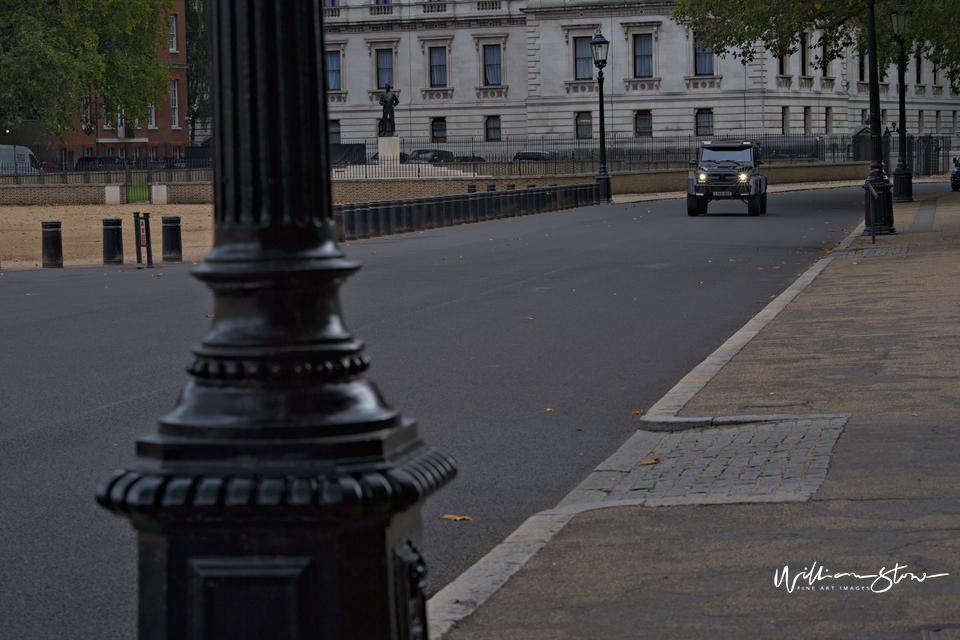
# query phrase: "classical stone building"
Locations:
[[496, 68]]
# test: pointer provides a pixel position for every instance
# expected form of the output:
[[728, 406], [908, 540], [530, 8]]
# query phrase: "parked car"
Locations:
[[468, 159], [535, 156], [955, 175], [16, 159], [375, 158], [51, 166], [99, 163], [430, 156]]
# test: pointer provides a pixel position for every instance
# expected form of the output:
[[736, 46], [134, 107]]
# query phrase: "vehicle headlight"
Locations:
[[702, 177], [743, 177]]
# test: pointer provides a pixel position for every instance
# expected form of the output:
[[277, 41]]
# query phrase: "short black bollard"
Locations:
[[473, 205], [112, 241], [489, 204], [51, 244], [363, 219], [171, 240], [350, 221], [375, 219], [552, 198], [447, 210], [419, 214], [511, 200]]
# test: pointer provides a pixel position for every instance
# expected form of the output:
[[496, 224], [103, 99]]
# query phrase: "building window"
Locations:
[[334, 131], [803, 54], [384, 1], [87, 152], [492, 128], [491, 64], [384, 68], [151, 154], [643, 124], [176, 153], [861, 69], [174, 109], [438, 66], [825, 61], [703, 59], [936, 75], [152, 122], [122, 152], [582, 59], [108, 151], [332, 58], [864, 116], [331, 3], [438, 130], [704, 122], [919, 62], [643, 55], [173, 33], [584, 125]]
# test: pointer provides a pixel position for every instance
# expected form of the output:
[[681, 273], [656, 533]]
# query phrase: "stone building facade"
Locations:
[[496, 68]]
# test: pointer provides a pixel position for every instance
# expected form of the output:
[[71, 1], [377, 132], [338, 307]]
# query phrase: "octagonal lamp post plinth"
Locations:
[[281, 496]]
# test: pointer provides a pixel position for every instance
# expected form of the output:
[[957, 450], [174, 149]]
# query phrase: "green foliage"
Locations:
[[739, 28], [198, 59], [54, 54]]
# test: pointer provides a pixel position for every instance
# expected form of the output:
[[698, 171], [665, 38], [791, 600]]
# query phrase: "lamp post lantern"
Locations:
[[281, 497], [878, 205], [599, 46], [902, 175]]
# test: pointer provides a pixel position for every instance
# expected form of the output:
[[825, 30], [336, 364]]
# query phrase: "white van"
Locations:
[[15, 159]]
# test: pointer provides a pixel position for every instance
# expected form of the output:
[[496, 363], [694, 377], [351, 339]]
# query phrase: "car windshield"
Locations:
[[726, 155], [420, 153]]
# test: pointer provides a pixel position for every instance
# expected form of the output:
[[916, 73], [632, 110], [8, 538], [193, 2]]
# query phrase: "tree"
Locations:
[[59, 58], [739, 27], [198, 59]]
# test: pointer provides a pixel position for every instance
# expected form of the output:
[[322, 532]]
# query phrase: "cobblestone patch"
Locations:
[[783, 459], [870, 252]]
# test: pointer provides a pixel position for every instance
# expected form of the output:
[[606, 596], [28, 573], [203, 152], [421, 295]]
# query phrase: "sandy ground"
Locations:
[[82, 232]]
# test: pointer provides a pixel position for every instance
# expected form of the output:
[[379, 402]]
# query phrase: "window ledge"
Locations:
[[580, 86], [641, 84], [176, 128], [374, 94], [336, 96], [702, 82], [436, 93], [492, 91]]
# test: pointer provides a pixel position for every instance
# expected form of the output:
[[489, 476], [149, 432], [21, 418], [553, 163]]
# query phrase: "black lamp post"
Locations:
[[281, 497], [902, 175], [599, 46], [878, 205]]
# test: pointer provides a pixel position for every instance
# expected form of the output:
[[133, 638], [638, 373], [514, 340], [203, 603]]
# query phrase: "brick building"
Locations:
[[164, 136]]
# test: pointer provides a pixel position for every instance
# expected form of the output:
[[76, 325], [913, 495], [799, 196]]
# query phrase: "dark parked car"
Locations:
[[375, 158], [430, 156], [955, 175], [99, 163], [535, 156], [51, 166], [468, 159]]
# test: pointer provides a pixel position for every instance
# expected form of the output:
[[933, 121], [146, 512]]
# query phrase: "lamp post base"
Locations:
[[902, 185], [606, 187], [881, 222]]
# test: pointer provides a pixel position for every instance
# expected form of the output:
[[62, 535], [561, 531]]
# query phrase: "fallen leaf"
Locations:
[[636, 413], [210, 316], [549, 409], [529, 318], [578, 429], [701, 282], [914, 414], [654, 461], [456, 518]]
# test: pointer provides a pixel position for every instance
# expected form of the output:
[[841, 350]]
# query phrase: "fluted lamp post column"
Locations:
[[877, 187], [902, 175], [599, 46], [281, 496]]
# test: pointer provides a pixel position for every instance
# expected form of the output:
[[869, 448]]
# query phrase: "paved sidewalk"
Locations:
[[822, 439]]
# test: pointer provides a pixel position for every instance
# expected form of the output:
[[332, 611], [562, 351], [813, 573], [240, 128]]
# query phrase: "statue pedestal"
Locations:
[[389, 149]]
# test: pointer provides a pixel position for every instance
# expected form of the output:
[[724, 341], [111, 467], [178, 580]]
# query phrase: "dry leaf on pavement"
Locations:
[[456, 518], [654, 461]]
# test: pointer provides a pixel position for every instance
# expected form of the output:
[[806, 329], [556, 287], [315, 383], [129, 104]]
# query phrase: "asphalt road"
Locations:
[[523, 347]]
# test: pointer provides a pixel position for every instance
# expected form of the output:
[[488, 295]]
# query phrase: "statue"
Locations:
[[389, 100]]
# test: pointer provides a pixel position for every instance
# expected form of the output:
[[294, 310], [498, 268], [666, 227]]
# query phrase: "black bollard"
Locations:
[[51, 243], [112, 241], [171, 239], [350, 221]]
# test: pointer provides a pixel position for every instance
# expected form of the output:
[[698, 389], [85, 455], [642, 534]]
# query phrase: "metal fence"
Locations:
[[543, 155]]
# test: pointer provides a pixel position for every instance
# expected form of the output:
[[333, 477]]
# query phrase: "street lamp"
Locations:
[[902, 175], [878, 206], [281, 497], [599, 46]]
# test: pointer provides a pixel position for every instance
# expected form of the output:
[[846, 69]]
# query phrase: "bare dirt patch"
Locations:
[[82, 232]]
